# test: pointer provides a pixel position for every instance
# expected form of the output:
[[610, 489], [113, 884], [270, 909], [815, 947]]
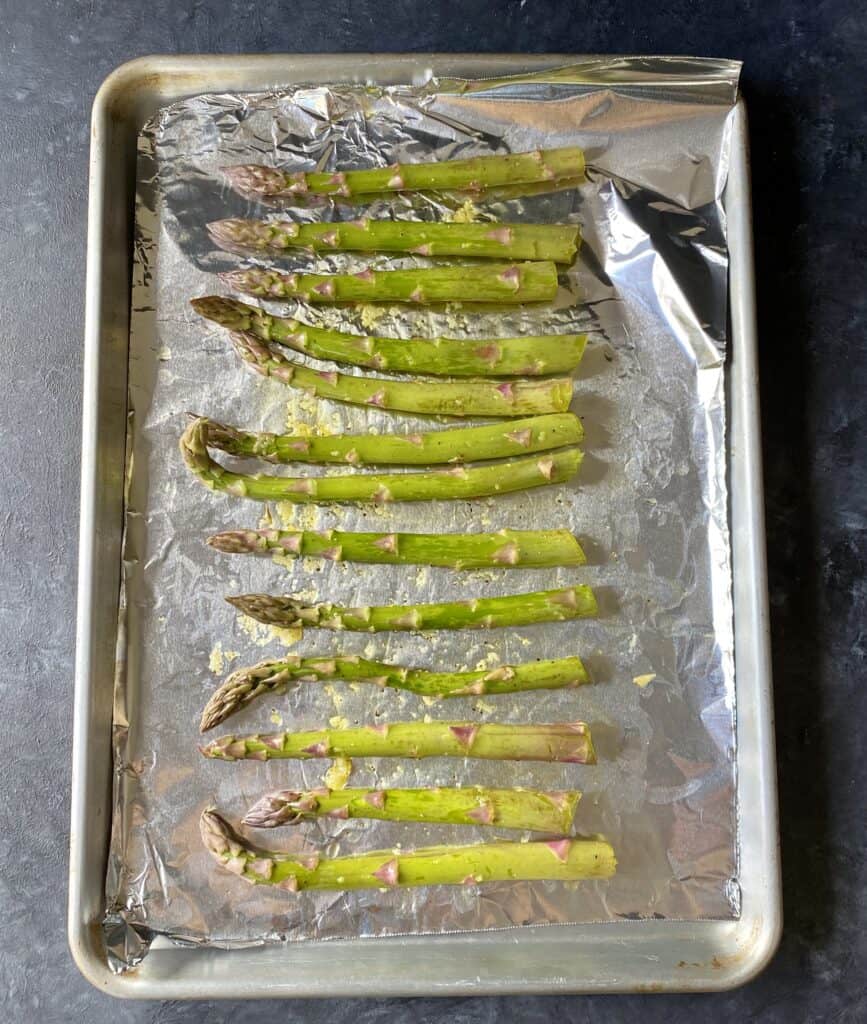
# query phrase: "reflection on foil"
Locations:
[[650, 508]]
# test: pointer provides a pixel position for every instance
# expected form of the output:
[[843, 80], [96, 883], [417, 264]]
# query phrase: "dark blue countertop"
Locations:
[[804, 82]]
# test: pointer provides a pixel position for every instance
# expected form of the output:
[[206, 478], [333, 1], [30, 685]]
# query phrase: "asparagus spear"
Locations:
[[500, 357], [556, 242], [440, 484], [557, 860], [498, 282], [473, 174], [461, 444], [479, 613], [506, 548], [452, 198], [473, 805], [567, 742], [439, 398], [245, 685]]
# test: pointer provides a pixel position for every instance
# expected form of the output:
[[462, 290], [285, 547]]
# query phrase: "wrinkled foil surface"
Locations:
[[649, 285]]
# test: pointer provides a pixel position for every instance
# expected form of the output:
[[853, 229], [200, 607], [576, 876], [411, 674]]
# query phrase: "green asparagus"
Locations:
[[500, 357], [244, 686], [556, 860], [567, 742], [472, 175], [460, 444], [453, 199], [429, 397], [498, 282], [504, 549], [472, 805], [520, 190], [555, 242], [479, 613], [437, 484]]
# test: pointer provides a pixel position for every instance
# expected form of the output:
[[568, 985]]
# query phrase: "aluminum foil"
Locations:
[[650, 507]]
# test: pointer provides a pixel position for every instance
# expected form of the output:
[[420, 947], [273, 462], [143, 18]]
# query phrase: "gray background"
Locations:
[[804, 83]]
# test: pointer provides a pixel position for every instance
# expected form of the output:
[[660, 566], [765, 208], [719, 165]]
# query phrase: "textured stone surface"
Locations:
[[804, 82]]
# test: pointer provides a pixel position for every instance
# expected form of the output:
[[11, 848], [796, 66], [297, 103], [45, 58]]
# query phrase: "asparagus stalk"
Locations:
[[473, 805], [428, 397], [498, 282], [556, 860], [556, 242], [501, 357], [506, 548], [451, 198], [472, 175], [244, 686], [567, 742], [440, 484], [461, 444], [479, 613], [519, 190]]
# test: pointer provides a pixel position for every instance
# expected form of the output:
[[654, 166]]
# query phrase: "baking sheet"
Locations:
[[650, 505]]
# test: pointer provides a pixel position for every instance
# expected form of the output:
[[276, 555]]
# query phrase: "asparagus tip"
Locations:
[[234, 279], [253, 351], [255, 178], [231, 542], [275, 809], [216, 833], [193, 444], [222, 310], [222, 231], [214, 713]]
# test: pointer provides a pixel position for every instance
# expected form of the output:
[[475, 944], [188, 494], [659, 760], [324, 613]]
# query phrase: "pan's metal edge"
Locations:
[[762, 912], [82, 933], [128, 95]]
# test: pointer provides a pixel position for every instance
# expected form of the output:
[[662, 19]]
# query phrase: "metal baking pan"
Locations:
[[658, 955]]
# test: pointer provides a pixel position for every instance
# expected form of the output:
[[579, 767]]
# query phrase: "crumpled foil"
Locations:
[[650, 506]]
